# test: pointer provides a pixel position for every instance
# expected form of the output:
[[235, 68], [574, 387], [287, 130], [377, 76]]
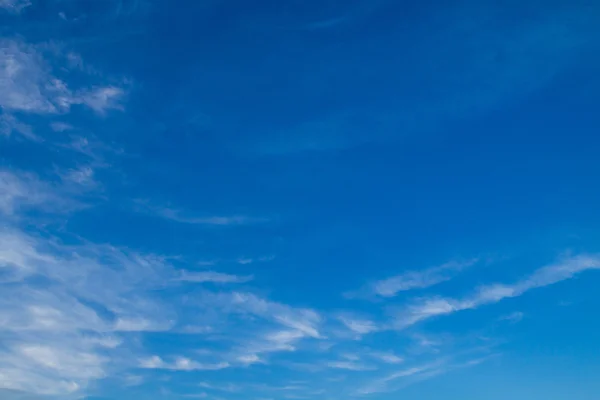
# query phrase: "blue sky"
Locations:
[[271, 200]]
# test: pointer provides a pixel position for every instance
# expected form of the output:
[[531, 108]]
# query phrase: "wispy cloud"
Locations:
[[101, 99], [21, 191], [350, 366], [247, 260], [228, 387], [302, 320], [82, 176], [275, 327], [65, 191], [14, 6], [57, 369], [411, 280], [409, 376], [488, 294], [57, 340], [60, 126], [253, 349], [75, 314], [180, 364], [513, 318], [9, 124], [387, 357], [360, 326], [27, 84], [141, 324], [213, 277], [176, 215]]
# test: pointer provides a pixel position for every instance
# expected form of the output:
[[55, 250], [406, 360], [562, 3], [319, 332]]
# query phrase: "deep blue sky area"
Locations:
[[299, 199]]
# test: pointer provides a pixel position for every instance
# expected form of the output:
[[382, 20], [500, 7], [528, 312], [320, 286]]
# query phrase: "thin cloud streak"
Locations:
[[489, 294], [403, 378], [213, 277], [14, 6], [176, 215], [180, 364], [359, 326], [350, 366], [412, 280]]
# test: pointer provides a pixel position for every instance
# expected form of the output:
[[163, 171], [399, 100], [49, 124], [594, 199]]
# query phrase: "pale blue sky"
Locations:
[[272, 200]]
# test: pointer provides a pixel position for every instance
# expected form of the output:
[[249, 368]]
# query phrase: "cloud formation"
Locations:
[[412, 280], [431, 307], [176, 215], [213, 277], [180, 364], [350, 366], [57, 340], [14, 6], [28, 85], [20, 191], [419, 279]]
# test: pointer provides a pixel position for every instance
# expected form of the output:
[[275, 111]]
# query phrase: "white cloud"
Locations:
[[27, 84], [101, 99], [409, 376], [274, 341], [359, 326], [201, 395], [436, 306], [22, 191], [55, 338], [220, 387], [383, 384], [180, 364], [176, 215], [94, 299], [390, 287], [76, 364], [513, 317], [137, 324], [248, 359], [60, 126], [14, 6], [302, 320], [281, 340], [18, 252], [9, 124], [350, 366], [57, 365], [350, 356], [213, 277], [388, 358], [82, 176], [133, 380], [292, 325]]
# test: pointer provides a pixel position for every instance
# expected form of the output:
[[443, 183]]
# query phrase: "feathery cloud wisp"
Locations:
[[14, 6], [359, 326], [213, 277], [175, 215], [180, 364], [350, 366], [436, 306], [27, 84], [419, 279]]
